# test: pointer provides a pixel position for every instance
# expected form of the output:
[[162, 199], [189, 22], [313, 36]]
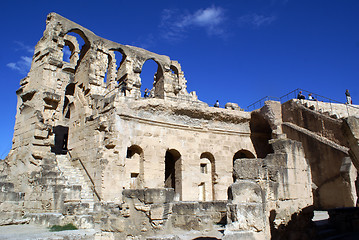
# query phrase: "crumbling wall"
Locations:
[[269, 191], [325, 148]]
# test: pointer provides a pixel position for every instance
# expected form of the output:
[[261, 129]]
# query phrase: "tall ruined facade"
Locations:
[[90, 150]]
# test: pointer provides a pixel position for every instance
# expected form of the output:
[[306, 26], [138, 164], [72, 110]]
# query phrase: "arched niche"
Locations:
[[134, 166], [173, 171], [207, 171], [242, 154]]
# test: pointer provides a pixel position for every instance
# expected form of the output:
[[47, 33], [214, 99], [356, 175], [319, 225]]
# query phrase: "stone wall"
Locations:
[[269, 191], [326, 149]]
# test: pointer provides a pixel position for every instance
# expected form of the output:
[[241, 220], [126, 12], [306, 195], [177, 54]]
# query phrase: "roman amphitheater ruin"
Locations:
[[89, 150]]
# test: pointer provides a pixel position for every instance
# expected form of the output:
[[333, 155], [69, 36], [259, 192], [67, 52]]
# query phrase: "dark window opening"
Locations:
[[173, 175], [203, 168], [129, 153], [61, 139]]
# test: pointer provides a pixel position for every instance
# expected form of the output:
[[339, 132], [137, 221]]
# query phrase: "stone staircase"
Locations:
[[75, 176]]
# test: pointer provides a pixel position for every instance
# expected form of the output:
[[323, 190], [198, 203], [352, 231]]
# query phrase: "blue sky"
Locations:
[[234, 51]]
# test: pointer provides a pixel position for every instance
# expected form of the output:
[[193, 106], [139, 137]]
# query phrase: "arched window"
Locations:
[[173, 171], [134, 167]]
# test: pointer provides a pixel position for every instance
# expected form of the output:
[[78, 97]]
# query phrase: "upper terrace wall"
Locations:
[[326, 149]]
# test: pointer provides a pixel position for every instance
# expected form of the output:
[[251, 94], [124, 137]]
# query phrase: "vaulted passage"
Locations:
[[173, 176]]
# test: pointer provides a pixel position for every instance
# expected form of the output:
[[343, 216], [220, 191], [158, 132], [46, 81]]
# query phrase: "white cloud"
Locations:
[[22, 66], [175, 24], [22, 46], [256, 20]]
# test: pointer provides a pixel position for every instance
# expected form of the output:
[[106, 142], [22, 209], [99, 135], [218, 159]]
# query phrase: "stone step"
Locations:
[[50, 174], [51, 181], [75, 176]]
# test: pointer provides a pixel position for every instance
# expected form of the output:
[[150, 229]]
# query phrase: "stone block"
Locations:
[[152, 195], [244, 191], [157, 212], [186, 208], [249, 169], [246, 217]]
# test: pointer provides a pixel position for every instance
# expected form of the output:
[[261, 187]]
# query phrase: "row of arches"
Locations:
[[206, 174], [117, 68]]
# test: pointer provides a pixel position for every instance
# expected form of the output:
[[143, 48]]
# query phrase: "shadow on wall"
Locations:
[[261, 133], [300, 226]]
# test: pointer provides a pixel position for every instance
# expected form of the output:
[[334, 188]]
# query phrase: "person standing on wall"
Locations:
[[147, 93], [349, 98], [300, 95], [216, 104]]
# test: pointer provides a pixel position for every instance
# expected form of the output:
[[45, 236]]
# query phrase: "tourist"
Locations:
[[216, 104], [349, 98], [310, 97], [300, 95], [147, 93]]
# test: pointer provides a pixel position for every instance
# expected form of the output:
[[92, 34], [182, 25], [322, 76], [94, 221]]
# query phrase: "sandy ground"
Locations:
[[29, 231]]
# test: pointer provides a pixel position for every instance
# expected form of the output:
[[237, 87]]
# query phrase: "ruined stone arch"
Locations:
[[135, 166], [120, 70], [73, 45], [85, 47], [68, 100], [208, 177], [174, 70], [123, 58], [158, 78], [243, 154], [173, 171]]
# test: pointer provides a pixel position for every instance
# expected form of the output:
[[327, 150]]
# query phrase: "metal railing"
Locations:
[[261, 102], [294, 95]]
